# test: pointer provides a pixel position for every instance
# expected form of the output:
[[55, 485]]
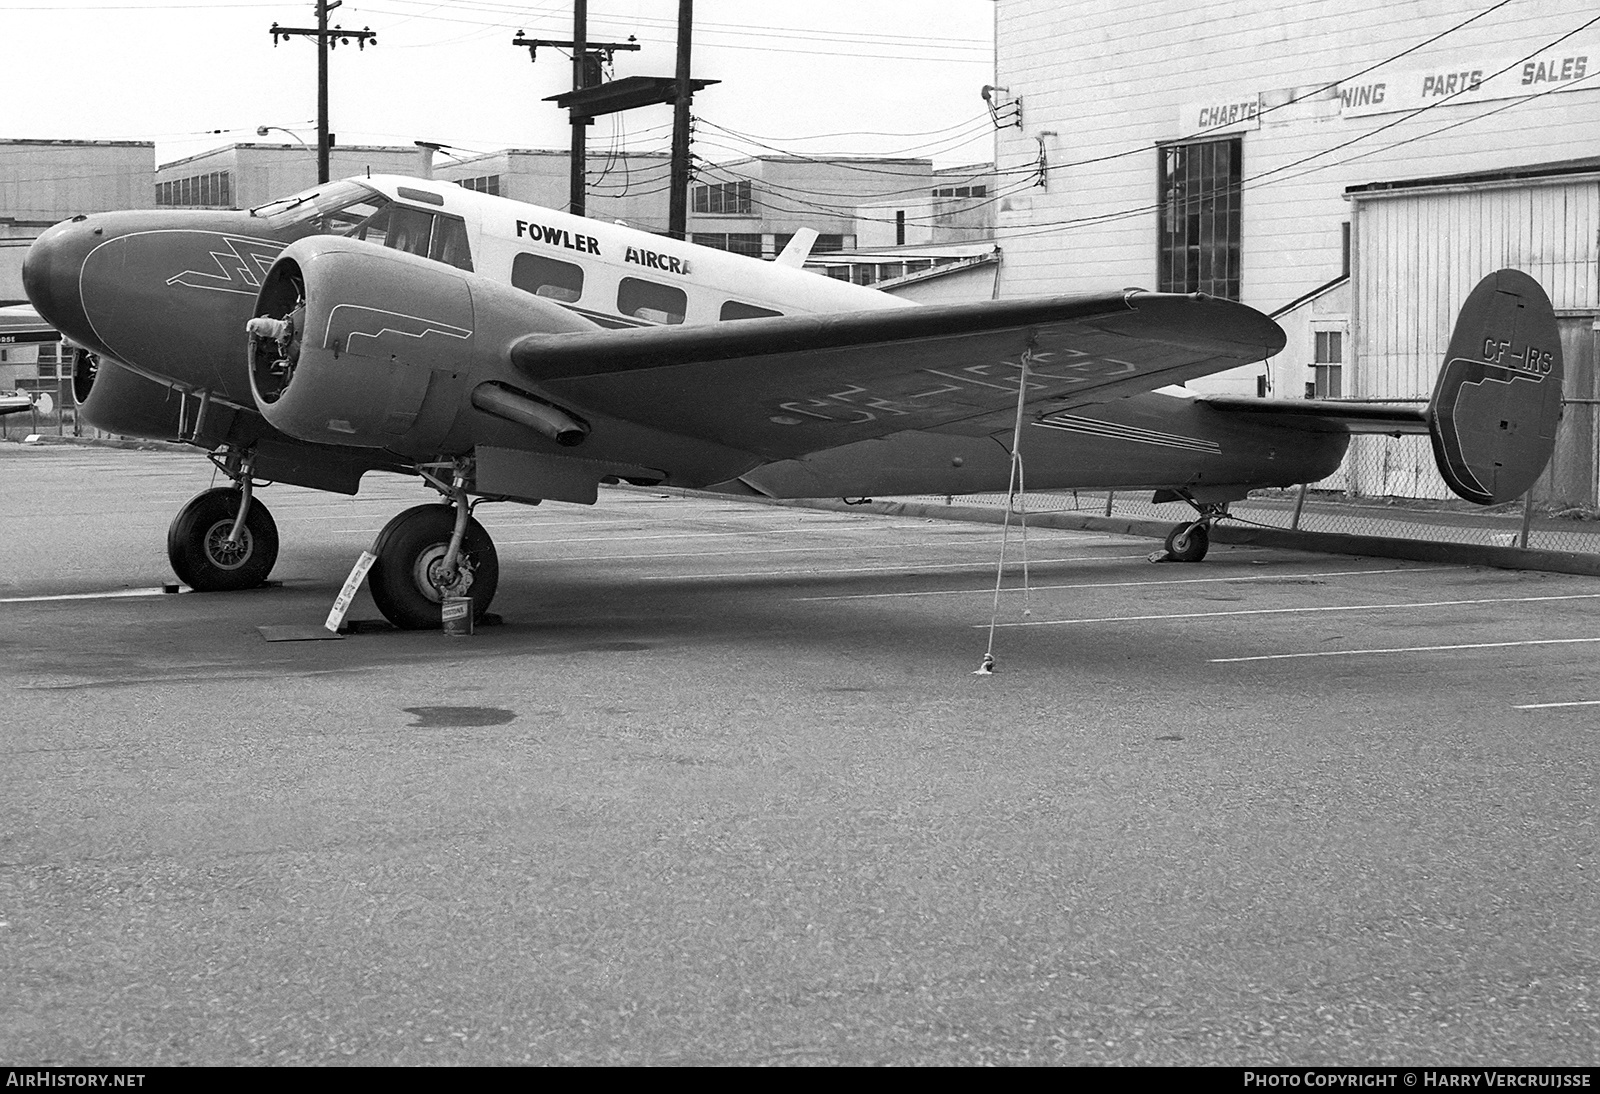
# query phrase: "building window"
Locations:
[[739, 243], [828, 244], [723, 197], [1329, 365], [483, 184], [1199, 244], [547, 277], [214, 190], [650, 301], [961, 192]]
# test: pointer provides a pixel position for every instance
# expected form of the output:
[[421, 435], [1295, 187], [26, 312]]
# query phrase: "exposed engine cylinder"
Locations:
[[84, 367]]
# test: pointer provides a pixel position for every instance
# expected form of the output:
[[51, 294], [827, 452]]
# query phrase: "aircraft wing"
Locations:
[[782, 387]]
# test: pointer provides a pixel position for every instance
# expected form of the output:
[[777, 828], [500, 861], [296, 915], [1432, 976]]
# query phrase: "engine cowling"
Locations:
[[357, 344], [119, 400]]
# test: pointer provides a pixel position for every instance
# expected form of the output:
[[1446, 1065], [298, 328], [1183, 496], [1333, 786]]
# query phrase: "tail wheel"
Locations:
[[199, 549], [1188, 542], [407, 580]]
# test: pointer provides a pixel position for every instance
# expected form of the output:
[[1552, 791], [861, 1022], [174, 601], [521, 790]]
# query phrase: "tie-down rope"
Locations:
[[1016, 497]]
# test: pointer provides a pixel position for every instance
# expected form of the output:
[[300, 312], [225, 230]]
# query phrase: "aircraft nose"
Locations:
[[51, 276]]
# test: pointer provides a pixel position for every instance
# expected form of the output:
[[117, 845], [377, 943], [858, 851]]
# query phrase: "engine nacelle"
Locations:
[[119, 400], [357, 344]]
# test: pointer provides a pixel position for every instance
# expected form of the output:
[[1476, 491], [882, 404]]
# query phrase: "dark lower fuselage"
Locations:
[[1151, 441]]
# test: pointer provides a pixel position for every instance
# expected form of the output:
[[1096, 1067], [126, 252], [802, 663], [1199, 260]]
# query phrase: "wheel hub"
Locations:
[[430, 576], [224, 555]]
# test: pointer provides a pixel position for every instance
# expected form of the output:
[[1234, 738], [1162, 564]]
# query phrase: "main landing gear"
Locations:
[[431, 552], [1190, 541], [223, 539]]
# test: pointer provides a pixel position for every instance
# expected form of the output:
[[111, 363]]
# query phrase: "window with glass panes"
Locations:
[[1329, 364], [723, 197], [1199, 240]]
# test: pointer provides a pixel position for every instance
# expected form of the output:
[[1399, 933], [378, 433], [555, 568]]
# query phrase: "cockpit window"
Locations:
[[349, 208], [450, 244], [409, 230], [307, 209], [367, 219]]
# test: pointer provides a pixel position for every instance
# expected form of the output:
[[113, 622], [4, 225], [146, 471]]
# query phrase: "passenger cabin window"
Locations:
[[651, 302], [547, 277], [733, 309]]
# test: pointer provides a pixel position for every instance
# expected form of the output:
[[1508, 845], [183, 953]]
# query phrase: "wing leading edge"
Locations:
[[786, 386]]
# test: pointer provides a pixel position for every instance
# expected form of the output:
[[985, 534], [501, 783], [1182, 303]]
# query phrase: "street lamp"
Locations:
[[263, 130]]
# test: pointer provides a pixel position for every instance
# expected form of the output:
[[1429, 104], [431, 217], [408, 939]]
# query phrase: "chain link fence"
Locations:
[[1388, 487]]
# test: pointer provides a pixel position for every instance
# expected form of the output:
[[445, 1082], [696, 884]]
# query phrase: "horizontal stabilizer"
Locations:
[[1495, 406], [1325, 415]]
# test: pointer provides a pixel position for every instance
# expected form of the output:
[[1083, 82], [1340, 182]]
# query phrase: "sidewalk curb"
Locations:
[[1336, 543]]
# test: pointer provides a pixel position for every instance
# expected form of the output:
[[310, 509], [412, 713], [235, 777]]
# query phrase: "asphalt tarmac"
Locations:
[[724, 789]]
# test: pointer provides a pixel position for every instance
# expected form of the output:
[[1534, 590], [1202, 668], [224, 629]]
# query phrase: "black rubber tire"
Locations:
[[1188, 543], [408, 547], [197, 543]]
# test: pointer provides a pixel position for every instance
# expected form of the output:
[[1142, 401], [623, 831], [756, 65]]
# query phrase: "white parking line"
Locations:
[[1299, 611], [1125, 584], [1554, 706], [118, 594], [1413, 649], [882, 569]]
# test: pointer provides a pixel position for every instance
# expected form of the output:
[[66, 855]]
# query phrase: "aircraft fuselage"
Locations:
[[165, 295]]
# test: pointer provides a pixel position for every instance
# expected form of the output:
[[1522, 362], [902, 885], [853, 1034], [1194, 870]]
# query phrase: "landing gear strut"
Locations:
[[430, 552], [223, 539], [1190, 541]]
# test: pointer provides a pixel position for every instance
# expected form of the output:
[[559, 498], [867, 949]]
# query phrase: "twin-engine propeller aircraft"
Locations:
[[504, 351]]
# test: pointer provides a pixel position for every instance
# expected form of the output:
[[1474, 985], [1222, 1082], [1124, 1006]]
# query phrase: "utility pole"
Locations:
[[592, 98], [578, 155], [678, 209], [326, 40], [586, 58]]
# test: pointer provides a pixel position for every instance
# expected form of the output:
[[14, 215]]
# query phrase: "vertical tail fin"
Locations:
[[1498, 398]]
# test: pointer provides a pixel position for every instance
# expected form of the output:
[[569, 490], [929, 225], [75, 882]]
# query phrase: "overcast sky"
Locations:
[[858, 76]]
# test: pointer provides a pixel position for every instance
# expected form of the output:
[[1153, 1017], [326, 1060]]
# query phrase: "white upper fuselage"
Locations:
[[619, 276]]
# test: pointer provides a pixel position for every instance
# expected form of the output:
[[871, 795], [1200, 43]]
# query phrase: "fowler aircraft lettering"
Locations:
[[480, 389], [655, 260], [558, 237]]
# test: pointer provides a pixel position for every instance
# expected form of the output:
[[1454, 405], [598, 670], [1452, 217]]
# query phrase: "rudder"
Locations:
[[1497, 401]]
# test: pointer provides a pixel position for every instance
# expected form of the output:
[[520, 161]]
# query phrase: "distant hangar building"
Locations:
[[45, 181], [246, 174], [1351, 168]]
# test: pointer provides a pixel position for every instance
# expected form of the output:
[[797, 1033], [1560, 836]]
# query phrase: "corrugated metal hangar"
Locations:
[[1351, 168]]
